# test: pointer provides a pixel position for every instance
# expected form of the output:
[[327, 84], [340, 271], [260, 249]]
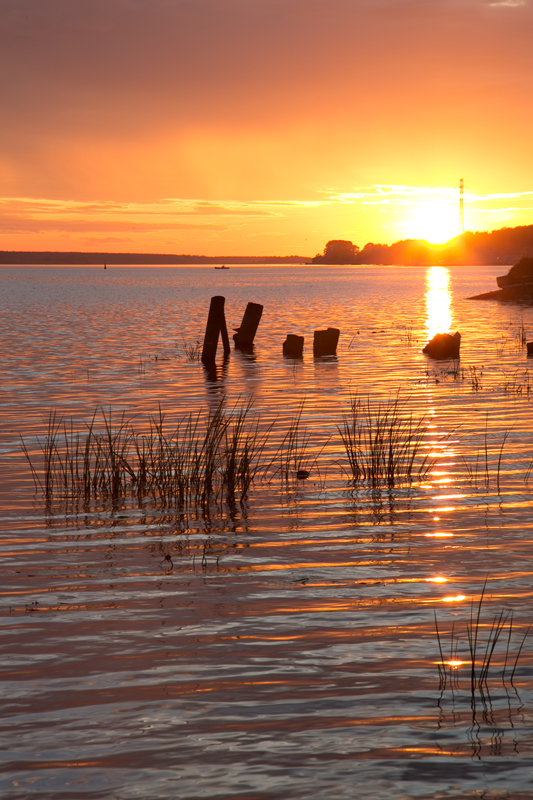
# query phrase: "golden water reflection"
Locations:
[[438, 301]]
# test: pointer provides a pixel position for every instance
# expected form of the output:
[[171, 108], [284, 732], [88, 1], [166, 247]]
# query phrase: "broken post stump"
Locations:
[[293, 346], [325, 342], [216, 323], [443, 345], [245, 335]]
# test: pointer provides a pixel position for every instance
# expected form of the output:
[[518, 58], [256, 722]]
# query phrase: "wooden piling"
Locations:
[[216, 323], [293, 346], [325, 342], [250, 322]]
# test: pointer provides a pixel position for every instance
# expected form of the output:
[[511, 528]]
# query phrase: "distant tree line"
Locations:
[[502, 246], [17, 257]]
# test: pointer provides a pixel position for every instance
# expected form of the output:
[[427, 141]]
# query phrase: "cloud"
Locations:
[[20, 224], [169, 208], [385, 195]]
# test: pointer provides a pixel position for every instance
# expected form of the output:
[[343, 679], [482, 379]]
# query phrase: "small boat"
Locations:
[[222, 267]]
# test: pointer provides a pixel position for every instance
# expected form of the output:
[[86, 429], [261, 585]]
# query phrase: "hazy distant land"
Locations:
[[19, 258], [503, 246]]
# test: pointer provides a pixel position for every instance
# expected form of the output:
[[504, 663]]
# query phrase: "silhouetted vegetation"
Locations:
[[522, 270], [212, 456], [338, 251], [480, 653], [384, 444], [503, 246]]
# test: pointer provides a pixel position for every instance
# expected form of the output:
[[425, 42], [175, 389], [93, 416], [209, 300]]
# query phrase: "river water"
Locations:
[[285, 646]]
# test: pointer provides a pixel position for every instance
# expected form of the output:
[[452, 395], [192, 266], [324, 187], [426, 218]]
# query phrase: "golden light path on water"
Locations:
[[438, 301]]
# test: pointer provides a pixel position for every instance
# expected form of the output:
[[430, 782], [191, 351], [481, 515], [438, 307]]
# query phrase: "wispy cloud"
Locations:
[[21, 224], [508, 4], [386, 195]]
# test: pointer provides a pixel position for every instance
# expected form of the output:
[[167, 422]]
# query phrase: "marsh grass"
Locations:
[[486, 462], [518, 384], [408, 334], [455, 370], [487, 649], [384, 444], [476, 377], [294, 458], [520, 336], [501, 346], [200, 460], [191, 351], [216, 456], [470, 374]]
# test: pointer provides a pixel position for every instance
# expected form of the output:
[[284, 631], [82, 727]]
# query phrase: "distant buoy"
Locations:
[[105, 266]]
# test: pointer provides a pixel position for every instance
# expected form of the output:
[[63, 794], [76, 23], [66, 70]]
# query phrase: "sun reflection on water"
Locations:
[[438, 301]]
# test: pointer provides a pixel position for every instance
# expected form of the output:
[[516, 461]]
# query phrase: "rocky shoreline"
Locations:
[[515, 287]]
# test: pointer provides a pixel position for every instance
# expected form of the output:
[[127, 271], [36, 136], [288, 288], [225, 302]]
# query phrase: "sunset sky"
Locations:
[[251, 127]]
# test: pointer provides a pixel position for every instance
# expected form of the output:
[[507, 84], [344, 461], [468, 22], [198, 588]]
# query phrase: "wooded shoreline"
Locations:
[[504, 246]]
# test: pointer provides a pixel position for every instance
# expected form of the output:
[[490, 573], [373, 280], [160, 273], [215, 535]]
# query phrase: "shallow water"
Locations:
[[285, 647]]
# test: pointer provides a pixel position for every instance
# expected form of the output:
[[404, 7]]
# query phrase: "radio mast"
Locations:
[[461, 207]]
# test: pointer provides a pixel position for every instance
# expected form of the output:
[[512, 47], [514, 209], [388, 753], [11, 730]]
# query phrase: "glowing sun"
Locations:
[[435, 222]]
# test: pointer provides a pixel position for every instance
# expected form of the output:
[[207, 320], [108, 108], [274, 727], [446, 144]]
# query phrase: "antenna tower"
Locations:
[[461, 207]]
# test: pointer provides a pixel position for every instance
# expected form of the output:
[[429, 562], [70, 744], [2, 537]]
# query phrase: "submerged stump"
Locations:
[[443, 345], [293, 346], [325, 342], [216, 324]]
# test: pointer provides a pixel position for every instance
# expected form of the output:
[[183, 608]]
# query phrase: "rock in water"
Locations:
[[443, 345]]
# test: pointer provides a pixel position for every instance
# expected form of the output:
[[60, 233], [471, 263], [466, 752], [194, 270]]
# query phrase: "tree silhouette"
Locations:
[[338, 251]]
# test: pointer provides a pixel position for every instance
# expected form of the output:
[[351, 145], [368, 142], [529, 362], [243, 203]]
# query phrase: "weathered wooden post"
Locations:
[[245, 335], [216, 323], [325, 342], [529, 346], [293, 346]]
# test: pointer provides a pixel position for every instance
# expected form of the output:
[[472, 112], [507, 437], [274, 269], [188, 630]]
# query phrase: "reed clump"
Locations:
[[520, 336], [487, 652], [191, 351], [385, 445], [203, 458], [295, 458], [518, 384], [479, 469]]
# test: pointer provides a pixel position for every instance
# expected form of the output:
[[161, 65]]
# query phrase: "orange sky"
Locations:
[[247, 127]]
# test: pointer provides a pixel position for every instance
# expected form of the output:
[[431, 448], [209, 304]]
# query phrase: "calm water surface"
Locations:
[[284, 647]]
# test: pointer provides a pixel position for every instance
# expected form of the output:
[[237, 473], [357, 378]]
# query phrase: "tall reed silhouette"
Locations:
[[384, 444]]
